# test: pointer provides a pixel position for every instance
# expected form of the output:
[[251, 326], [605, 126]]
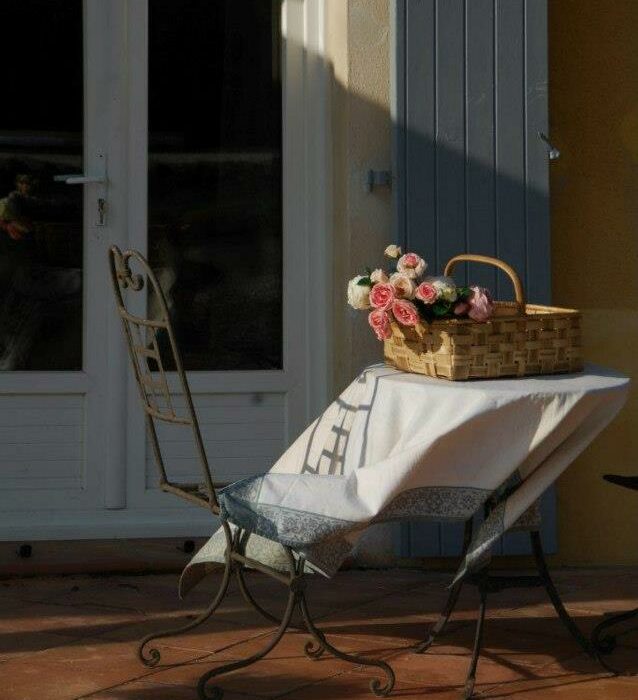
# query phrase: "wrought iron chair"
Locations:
[[142, 336], [488, 583]]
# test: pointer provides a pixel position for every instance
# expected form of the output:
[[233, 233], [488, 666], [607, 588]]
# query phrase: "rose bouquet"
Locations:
[[407, 297]]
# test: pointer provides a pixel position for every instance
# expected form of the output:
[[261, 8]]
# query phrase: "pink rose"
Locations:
[[427, 293], [379, 321], [382, 295], [461, 308], [412, 265], [481, 305], [405, 312]]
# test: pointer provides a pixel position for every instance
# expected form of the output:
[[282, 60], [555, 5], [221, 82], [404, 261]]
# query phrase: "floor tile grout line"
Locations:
[[338, 674], [136, 679], [69, 641]]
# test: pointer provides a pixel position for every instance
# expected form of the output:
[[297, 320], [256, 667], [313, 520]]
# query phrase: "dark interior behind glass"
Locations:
[[41, 125], [215, 198]]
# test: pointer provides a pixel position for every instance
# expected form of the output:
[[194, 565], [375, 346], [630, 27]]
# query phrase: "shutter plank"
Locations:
[[480, 176], [510, 143], [420, 128], [450, 132], [537, 176]]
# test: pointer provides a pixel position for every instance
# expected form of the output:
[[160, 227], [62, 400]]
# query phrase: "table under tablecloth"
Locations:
[[400, 446]]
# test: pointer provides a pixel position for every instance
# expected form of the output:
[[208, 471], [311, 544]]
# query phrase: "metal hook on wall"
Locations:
[[552, 151]]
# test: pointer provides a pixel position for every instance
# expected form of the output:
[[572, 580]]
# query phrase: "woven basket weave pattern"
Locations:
[[520, 339]]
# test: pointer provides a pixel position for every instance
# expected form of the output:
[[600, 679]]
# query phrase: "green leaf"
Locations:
[[441, 308], [463, 293], [368, 271], [365, 282]]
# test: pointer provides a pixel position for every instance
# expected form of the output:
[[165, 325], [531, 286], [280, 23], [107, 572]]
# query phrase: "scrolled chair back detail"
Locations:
[[143, 338]]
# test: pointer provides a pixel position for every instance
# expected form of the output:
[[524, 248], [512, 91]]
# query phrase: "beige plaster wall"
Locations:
[[358, 48]]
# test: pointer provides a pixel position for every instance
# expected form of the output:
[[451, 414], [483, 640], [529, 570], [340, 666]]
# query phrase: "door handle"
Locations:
[[552, 151], [99, 179], [79, 179]]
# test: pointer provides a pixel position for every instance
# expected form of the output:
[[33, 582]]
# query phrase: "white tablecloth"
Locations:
[[400, 446]]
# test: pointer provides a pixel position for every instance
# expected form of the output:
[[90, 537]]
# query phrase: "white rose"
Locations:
[[358, 294], [392, 251], [445, 286], [378, 275], [403, 285]]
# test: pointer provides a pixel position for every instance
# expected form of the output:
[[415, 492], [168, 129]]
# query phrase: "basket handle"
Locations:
[[487, 260]]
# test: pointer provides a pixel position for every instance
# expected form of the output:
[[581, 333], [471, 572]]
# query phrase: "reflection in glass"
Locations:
[[215, 231], [41, 125]]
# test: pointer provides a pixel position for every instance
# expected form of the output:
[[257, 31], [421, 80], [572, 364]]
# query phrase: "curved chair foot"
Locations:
[[214, 692], [314, 649], [379, 688], [153, 657], [607, 643]]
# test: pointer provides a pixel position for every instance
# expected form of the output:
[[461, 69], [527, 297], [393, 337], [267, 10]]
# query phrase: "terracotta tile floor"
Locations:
[[74, 637]]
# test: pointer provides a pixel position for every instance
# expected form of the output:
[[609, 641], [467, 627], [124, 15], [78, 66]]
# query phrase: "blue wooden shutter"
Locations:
[[471, 171]]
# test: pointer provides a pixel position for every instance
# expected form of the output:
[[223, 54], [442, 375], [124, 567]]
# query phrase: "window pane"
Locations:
[[215, 209], [41, 126]]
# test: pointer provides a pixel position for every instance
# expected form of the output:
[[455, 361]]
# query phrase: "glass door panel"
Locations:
[[215, 177], [41, 136]]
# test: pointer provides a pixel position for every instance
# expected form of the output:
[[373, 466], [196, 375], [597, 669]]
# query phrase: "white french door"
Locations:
[[182, 134]]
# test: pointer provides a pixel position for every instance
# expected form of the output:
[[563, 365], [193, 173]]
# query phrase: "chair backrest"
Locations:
[[141, 335]]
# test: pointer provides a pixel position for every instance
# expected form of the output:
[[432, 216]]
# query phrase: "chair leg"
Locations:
[[378, 687], [438, 627], [240, 571], [154, 656], [606, 644], [470, 679], [450, 604], [215, 692], [250, 599], [565, 617]]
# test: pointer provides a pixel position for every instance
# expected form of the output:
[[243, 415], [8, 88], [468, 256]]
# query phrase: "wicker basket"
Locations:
[[520, 339]]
